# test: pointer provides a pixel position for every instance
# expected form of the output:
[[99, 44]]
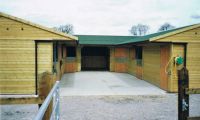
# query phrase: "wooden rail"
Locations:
[[193, 118], [192, 91]]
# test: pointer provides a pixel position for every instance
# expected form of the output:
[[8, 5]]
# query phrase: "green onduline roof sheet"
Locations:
[[118, 40]]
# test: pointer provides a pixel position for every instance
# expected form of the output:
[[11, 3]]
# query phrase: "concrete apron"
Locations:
[[105, 83]]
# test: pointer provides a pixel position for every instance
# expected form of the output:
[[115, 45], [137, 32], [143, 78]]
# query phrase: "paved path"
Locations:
[[105, 83]]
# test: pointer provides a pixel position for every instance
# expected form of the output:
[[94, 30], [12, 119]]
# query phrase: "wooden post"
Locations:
[[45, 85], [183, 98]]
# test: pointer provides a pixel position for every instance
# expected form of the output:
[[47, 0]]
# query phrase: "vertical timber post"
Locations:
[[46, 82], [183, 98]]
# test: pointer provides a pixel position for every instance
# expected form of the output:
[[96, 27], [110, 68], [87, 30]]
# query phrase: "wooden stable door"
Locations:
[[121, 57], [164, 59]]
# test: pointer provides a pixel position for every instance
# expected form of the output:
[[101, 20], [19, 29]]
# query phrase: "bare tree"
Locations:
[[134, 30], [68, 28], [166, 26], [139, 30], [143, 29]]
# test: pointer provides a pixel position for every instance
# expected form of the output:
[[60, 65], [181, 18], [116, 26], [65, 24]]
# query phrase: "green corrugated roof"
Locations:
[[102, 39], [118, 40], [147, 37]]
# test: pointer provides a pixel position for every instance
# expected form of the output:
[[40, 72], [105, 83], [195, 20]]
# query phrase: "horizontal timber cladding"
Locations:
[[121, 59], [45, 57], [11, 29], [151, 64], [177, 50], [17, 67], [193, 64], [192, 35], [132, 62]]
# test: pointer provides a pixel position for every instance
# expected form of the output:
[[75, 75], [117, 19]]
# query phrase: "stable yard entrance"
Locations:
[[95, 58], [105, 83]]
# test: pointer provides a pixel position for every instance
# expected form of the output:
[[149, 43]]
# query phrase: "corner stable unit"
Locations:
[[26, 51]]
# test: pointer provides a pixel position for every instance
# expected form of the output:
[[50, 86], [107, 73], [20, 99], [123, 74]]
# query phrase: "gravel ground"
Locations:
[[160, 107]]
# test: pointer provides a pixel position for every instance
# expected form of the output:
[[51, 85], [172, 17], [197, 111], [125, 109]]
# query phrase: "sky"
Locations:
[[105, 17]]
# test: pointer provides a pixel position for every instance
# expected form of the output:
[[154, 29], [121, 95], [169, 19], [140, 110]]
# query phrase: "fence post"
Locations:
[[183, 98], [46, 82]]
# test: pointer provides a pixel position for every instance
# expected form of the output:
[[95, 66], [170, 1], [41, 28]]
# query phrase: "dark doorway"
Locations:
[[95, 58]]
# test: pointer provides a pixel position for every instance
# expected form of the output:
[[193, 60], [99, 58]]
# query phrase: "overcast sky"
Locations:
[[105, 17]]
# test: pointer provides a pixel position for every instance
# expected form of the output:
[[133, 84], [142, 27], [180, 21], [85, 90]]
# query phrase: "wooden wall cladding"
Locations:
[[151, 64], [189, 36], [193, 64], [18, 30], [17, 63], [132, 62], [17, 67]]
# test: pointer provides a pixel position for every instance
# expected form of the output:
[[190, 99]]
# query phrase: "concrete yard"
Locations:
[[107, 96], [105, 83]]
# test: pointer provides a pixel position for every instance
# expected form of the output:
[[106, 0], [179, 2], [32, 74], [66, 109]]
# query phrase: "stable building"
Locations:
[[27, 50], [151, 57]]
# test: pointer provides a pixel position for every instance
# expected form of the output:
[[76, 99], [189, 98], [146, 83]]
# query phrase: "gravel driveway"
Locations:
[[158, 107]]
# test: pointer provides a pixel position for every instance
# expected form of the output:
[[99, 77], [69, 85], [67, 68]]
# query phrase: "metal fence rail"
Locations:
[[54, 94]]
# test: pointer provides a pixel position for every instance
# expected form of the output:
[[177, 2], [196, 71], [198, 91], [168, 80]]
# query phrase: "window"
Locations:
[[138, 52], [138, 55], [71, 51]]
